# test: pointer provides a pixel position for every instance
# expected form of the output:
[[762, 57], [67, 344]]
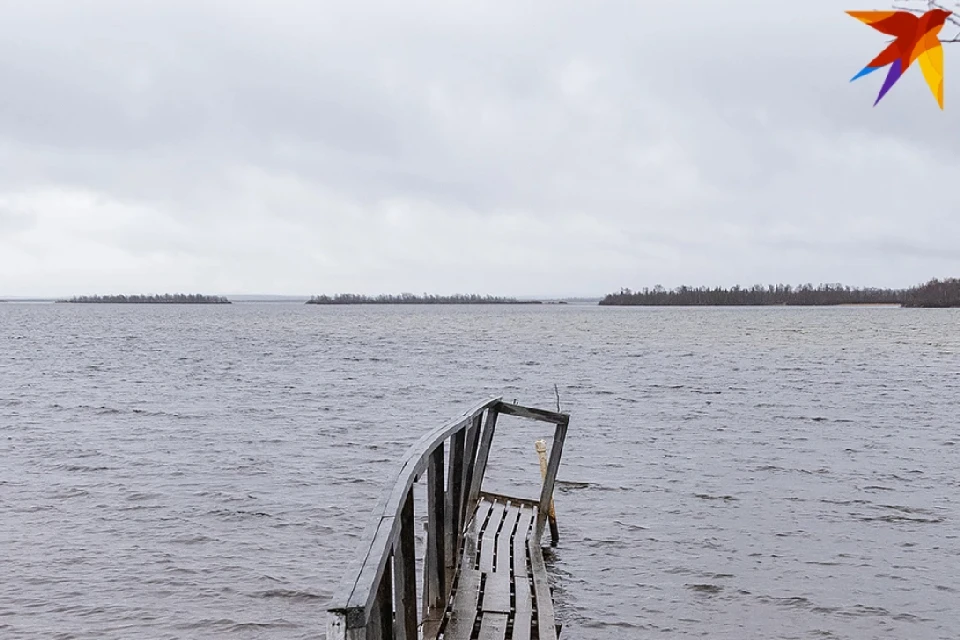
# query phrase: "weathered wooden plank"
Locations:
[[546, 623], [496, 593], [480, 515], [546, 492], [483, 453], [380, 625], [488, 539], [523, 598], [405, 575], [453, 496], [464, 606], [523, 618], [501, 561], [370, 576], [524, 522], [470, 459], [435, 576], [473, 532], [493, 626], [493, 497], [337, 628], [542, 415]]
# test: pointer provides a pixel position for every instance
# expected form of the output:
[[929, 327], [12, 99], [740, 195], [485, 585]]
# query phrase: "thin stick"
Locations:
[[932, 4]]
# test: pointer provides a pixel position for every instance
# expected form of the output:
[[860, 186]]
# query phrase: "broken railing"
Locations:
[[379, 599]]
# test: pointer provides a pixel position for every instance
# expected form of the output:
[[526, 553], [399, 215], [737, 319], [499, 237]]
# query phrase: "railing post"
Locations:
[[453, 499], [470, 459], [337, 627], [405, 575], [546, 493], [380, 625], [435, 583], [489, 427]]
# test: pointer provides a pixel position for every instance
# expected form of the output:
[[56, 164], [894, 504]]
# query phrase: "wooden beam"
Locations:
[[380, 623], [435, 574], [546, 492], [405, 575], [483, 453], [494, 497], [469, 462], [542, 415], [546, 622], [454, 496]]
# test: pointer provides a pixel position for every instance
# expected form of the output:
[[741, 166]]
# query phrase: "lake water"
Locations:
[[205, 471]]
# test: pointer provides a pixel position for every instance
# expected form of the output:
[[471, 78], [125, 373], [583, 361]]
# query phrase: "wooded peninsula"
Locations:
[[409, 298], [934, 294], [167, 298]]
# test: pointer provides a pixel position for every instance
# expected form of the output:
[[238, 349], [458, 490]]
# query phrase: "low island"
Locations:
[[167, 298], [933, 294], [409, 298]]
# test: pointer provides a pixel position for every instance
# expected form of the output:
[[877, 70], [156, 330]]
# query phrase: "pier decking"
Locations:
[[482, 571], [501, 587]]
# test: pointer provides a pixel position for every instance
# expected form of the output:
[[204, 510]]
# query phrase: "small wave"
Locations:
[[707, 496], [844, 502], [900, 519], [104, 411], [630, 527], [789, 601], [569, 485], [80, 468], [239, 513], [191, 539], [704, 588], [903, 509], [67, 494], [291, 594]]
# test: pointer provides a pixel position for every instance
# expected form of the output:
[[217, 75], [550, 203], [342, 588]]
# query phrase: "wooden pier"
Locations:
[[482, 574]]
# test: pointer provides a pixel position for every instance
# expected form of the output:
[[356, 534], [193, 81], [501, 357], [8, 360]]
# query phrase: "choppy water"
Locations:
[[197, 472]]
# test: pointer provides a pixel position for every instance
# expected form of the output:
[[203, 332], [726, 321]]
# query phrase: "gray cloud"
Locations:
[[540, 147]]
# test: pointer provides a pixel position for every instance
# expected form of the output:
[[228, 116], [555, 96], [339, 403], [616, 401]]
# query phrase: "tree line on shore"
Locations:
[[166, 298], [935, 293], [409, 298]]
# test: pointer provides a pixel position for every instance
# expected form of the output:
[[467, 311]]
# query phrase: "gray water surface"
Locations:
[[206, 471]]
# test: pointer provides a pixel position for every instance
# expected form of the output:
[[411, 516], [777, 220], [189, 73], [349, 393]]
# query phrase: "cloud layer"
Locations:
[[541, 148]]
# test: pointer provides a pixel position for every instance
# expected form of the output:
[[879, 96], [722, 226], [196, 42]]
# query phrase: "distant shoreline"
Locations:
[[406, 298], [177, 298], [935, 294]]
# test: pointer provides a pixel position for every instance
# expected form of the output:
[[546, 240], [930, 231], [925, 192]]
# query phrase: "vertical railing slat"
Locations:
[[470, 459], [435, 579], [380, 625], [405, 574], [480, 467], [546, 492], [453, 500]]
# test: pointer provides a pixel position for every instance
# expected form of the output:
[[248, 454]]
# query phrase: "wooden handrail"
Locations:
[[378, 598]]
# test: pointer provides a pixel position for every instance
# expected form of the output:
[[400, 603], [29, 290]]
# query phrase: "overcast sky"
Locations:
[[555, 147]]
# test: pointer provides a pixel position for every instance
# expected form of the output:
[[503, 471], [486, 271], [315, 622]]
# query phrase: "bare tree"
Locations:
[[922, 6]]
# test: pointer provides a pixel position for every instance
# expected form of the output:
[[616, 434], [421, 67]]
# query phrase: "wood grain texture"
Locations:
[[546, 622], [493, 626]]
